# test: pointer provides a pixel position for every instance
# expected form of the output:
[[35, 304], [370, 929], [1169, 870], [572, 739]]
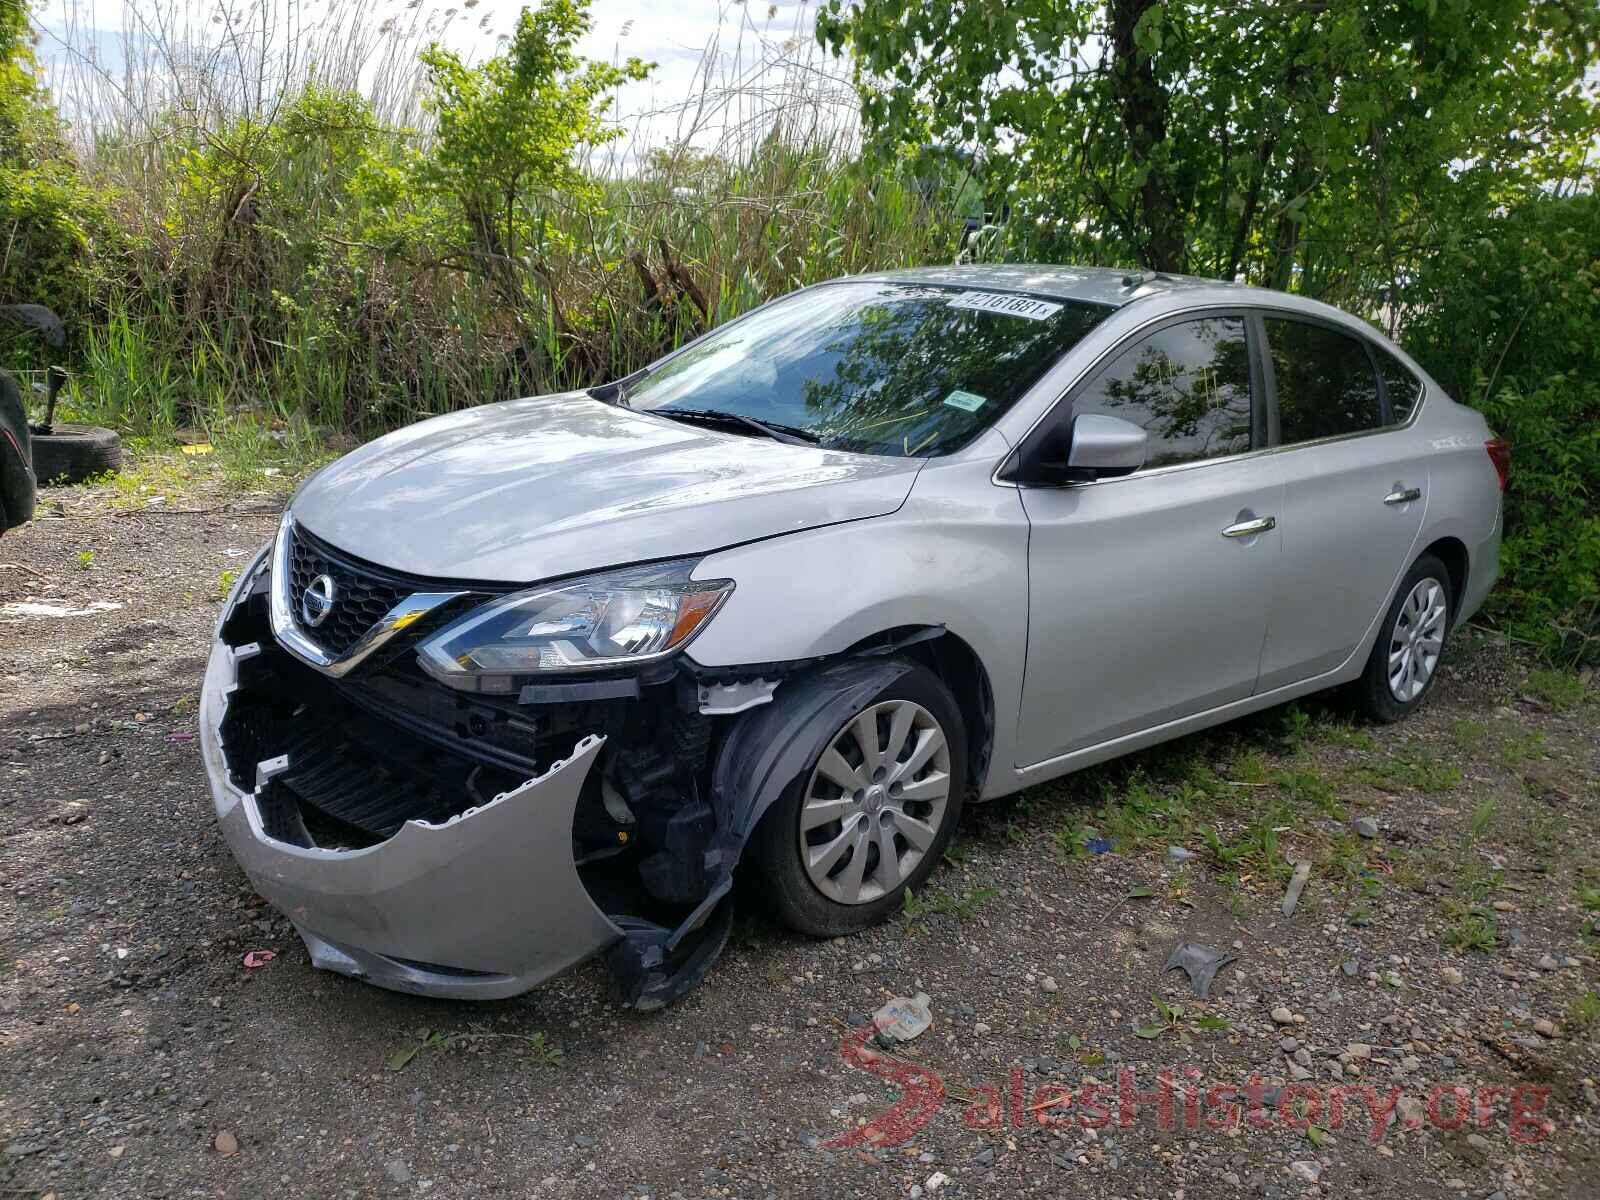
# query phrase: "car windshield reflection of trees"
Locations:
[[895, 369], [895, 374]]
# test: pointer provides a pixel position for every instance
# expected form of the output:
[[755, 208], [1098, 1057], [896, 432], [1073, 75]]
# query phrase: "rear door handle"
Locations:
[[1403, 496], [1250, 528]]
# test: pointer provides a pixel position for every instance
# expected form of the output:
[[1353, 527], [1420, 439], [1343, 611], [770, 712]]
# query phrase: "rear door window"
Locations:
[[1325, 382], [1187, 385]]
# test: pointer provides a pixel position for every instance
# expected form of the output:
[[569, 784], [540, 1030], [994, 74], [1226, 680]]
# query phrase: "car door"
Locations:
[[1355, 490], [1148, 594]]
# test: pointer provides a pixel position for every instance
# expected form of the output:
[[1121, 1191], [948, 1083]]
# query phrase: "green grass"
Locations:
[[946, 903], [1560, 690], [1584, 1012], [1540, 829], [1309, 788], [1482, 818], [1347, 735], [1256, 846], [1468, 735], [1416, 768], [1520, 745], [1471, 927]]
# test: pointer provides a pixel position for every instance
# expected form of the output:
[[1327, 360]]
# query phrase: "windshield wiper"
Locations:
[[790, 434]]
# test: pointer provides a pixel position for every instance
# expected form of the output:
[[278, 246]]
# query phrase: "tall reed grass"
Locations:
[[273, 267]]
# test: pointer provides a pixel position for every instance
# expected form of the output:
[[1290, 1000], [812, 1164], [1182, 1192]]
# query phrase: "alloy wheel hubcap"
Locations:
[[1416, 640], [875, 802]]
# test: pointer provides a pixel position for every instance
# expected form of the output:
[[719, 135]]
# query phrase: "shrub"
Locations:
[[49, 221], [1508, 319]]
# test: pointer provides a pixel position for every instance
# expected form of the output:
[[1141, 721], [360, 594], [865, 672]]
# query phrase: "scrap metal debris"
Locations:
[[1199, 963], [1297, 884]]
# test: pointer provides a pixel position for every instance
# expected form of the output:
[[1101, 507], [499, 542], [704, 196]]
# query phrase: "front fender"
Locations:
[[955, 555]]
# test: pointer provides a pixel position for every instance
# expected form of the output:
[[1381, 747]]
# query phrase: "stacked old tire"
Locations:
[[74, 453]]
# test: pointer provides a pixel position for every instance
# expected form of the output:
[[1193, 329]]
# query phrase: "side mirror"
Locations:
[[1101, 446], [1093, 446]]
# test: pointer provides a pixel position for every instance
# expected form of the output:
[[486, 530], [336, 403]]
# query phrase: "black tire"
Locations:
[[73, 453], [775, 852], [16, 477], [1372, 692]]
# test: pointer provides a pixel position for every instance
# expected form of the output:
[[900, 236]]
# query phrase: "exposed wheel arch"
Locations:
[[958, 665], [1452, 552]]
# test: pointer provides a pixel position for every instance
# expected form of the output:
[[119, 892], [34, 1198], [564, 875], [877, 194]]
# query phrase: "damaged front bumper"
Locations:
[[480, 905], [473, 846]]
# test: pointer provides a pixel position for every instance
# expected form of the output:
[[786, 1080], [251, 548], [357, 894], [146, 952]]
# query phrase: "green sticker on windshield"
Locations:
[[966, 401]]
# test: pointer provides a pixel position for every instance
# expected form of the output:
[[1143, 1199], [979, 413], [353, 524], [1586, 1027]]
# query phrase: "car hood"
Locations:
[[553, 485]]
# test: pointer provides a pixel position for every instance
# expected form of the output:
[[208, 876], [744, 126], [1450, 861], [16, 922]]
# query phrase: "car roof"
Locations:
[[1094, 285]]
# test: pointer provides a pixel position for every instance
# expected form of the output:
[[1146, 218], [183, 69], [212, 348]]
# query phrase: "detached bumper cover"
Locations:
[[484, 905]]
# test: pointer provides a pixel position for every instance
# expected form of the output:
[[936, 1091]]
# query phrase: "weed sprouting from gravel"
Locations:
[[1467, 734], [1416, 768], [1561, 690], [1471, 927], [1482, 818], [940, 902], [1520, 745]]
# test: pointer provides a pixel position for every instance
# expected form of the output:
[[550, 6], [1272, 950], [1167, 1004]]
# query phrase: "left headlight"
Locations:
[[616, 619]]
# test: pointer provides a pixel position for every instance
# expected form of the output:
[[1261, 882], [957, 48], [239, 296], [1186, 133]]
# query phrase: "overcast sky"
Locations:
[[674, 34]]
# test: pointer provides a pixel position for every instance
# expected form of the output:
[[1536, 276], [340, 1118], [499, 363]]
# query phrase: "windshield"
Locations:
[[883, 368]]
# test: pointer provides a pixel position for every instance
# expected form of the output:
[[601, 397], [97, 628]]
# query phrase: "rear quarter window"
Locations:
[[1400, 386]]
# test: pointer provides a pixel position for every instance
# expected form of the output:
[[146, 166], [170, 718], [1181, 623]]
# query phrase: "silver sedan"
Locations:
[[531, 682]]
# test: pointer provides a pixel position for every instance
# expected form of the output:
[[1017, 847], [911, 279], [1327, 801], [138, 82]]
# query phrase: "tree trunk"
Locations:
[[1144, 104]]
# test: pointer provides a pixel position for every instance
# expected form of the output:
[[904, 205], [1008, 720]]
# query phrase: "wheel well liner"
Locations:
[[1453, 554], [766, 749]]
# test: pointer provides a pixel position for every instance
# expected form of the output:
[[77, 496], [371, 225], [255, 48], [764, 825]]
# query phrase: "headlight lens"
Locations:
[[613, 620]]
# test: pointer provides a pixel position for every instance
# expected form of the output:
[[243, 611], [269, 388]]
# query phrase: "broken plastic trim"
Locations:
[[768, 749], [493, 891]]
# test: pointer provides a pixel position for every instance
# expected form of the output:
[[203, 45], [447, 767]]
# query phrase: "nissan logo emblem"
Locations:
[[316, 602]]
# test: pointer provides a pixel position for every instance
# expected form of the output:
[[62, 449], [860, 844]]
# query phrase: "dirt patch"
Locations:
[[139, 1056]]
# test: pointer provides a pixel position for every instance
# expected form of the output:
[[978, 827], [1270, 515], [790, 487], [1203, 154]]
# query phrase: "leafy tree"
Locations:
[[48, 219], [1507, 316], [1313, 145], [510, 133]]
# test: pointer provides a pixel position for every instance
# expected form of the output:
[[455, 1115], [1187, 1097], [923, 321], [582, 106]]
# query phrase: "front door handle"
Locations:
[[1250, 528], [1403, 496]]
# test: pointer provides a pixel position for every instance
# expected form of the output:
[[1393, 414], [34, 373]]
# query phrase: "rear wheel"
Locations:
[[871, 817], [1405, 658]]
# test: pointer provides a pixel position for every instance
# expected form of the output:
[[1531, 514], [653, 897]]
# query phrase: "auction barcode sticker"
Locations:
[[1012, 306]]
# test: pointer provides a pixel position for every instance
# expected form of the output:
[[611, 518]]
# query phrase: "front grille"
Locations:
[[350, 794], [353, 777], [363, 594]]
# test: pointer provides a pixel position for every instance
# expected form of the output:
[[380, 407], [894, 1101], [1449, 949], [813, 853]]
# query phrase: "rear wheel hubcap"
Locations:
[[875, 802], [1416, 640]]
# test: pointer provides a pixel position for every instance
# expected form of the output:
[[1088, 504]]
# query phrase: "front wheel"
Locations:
[[872, 815], [1405, 658]]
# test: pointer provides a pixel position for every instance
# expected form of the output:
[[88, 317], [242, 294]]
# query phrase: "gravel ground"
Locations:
[[140, 1057]]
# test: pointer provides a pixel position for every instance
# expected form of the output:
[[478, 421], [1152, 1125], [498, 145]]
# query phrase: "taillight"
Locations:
[[1500, 455]]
